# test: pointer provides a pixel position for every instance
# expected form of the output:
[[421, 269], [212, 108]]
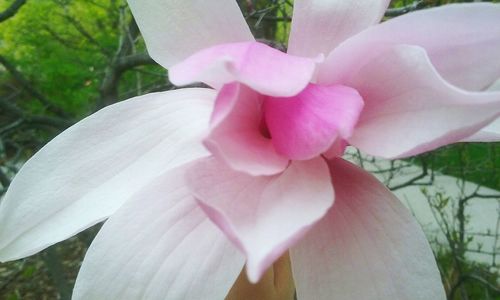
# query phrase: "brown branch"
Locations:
[[413, 181], [122, 61], [109, 85], [11, 10], [132, 61], [479, 195]]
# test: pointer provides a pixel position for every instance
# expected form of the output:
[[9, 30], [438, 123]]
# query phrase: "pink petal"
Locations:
[[264, 69], [263, 216], [236, 137], [175, 29], [490, 133], [306, 125], [87, 172], [337, 149], [367, 247], [410, 109], [318, 26], [159, 245], [462, 41]]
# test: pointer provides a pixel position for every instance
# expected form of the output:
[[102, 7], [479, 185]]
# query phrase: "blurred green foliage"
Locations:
[[476, 162], [63, 47], [53, 54]]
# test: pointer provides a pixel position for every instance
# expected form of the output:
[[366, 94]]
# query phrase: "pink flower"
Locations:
[[272, 180]]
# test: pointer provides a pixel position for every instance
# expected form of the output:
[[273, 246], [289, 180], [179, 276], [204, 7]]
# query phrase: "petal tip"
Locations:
[[255, 269], [253, 275]]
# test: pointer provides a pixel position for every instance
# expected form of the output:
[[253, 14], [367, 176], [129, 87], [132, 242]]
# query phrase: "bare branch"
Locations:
[[122, 61], [11, 10], [132, 61], [414, 180]]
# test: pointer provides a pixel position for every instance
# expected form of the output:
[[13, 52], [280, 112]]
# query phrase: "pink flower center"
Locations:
[[268, 111], [307, 125], [300, 127]]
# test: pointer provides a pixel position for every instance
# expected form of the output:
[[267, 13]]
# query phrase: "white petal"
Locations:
[[176, 29], [490, 133], [367, 247], [262, 215], [462, 41], [409, 108], [89, 170], [318, 26], [254, 64], [159, 245]]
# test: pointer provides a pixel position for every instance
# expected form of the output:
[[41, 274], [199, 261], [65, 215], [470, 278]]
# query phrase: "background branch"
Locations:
[[11, 10]]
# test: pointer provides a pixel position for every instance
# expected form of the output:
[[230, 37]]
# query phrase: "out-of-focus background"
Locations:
[[61, 60]]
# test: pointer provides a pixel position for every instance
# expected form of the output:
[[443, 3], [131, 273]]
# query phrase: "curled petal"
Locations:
[[87, 172], [159, 245], [410, 109], [318, 26], [264, 69], [306, 125], [368, 246], [236, 136], [466, 54], [176, 29], [262, 215]]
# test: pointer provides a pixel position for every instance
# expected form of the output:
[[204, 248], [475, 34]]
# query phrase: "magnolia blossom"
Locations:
[[198, 182]]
